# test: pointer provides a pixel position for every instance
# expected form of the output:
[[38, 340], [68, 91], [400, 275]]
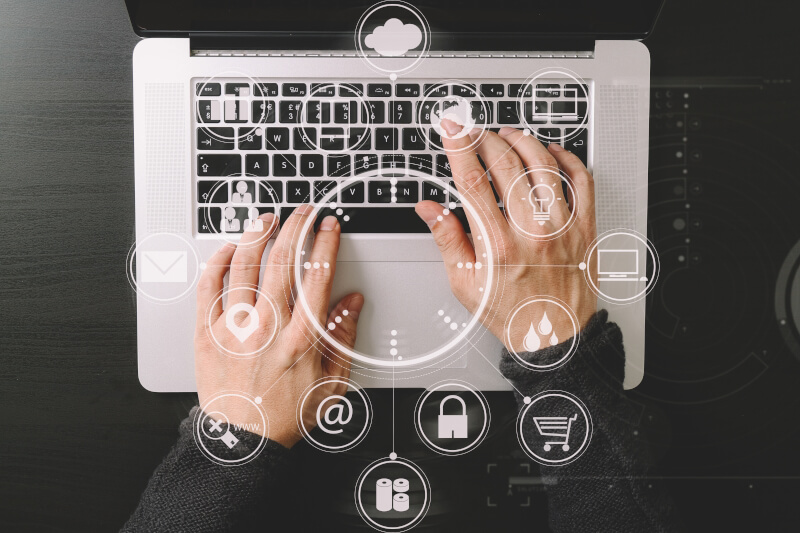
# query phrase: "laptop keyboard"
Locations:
[[262, 145]]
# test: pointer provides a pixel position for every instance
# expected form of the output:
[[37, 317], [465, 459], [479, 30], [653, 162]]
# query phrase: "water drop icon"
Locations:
[[545, 326], [531, 341], [553, 339]]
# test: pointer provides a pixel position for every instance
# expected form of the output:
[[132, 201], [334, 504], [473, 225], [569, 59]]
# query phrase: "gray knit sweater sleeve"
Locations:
[[605, 489], [190, 493]]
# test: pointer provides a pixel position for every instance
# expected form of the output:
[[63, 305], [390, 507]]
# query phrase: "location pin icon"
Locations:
[[242, 333]]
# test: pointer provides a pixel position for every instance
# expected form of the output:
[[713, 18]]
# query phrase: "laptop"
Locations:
[[242, 108]]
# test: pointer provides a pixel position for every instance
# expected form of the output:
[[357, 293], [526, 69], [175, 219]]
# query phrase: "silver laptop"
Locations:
[[244, 110]]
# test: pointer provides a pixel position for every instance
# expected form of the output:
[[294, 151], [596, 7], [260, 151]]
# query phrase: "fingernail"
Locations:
[[451, 127], [328, 223], [304, 209], [506, 131], [557, 147], [355, 305], [267, 217]]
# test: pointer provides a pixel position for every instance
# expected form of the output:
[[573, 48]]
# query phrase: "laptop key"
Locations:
[[208, 89], [256, 165], [212, 192], [508, 113], [219, 165], [548, 90], [215, 139], [536, 114], [311, 165], [465, 89], [572, 114], [407, 192], [351, 89], [436, 90], [208, 219], [443, 166], [250, 138], [353, 193], [360, 139], [482, 111], [208, 111], [294, 89], [284, 165], [290, 111], [435, 140], [331, 139], [434, 192], [408, 89], [265, 89], [492, 90], [323, 89], [298, 192], [516, 90], [339, 165], [237, 89], [393, 161], [345, 112], [401, 112], [277, 138], [322, 189], [412, 139], [380, 192], [305, 139], [263, 111], [577, 144], [386, 139], [270, 192], [581, 90], [421, 163], [319, 112], [365, 163], [548, 135], [379, 89], [235, 110], [376, 112]]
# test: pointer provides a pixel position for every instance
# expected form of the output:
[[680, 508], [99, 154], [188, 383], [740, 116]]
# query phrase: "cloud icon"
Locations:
[[394, 38]]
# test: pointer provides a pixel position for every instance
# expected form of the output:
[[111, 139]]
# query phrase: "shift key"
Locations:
[[219, 165]]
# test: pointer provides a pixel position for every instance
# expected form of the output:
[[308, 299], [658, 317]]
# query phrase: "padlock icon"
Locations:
[[453, 426]]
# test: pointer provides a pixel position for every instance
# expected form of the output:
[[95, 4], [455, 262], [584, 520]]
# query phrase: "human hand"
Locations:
[[289, 354], [525, 266]]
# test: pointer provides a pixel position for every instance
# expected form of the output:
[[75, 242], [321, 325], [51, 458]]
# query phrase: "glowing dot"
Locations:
[[447, 319], [453, 326], [526, 132], [393, 455], [446, 212], [302, 252], [582, 265], [478, 265], [306, 265], [326, 265], [394, 332], [203, 266], [484, 254], [399, 357], [452, 205], [333, 205], [480, 237], [393, 190], [681, 259], [340, 211], [258, 399], [439, 218], [338, 320], [394, 199], [480, 289], [441, 312], [463, 324], [527, 399], [316, 264], [346, 218], [331, 325], [393, 181], [469, 265], [393, 342], [393, 351], [393, 77]]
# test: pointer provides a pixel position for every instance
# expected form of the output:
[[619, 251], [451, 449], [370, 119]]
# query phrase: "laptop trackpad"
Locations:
[[409, 313]]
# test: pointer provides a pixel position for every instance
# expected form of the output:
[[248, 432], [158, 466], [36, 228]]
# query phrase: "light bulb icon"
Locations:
[[542, 199]]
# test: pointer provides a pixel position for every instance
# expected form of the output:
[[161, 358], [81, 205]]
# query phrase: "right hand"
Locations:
[[520, 261]]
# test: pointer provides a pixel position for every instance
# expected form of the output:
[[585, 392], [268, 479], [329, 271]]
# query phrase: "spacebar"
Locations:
[[377, 219]]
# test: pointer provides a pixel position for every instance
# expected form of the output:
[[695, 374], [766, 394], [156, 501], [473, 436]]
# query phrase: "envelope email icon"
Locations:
[[164, 267]]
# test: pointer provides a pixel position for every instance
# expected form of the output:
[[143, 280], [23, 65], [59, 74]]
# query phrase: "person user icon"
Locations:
[[231, 223], [253, 223], [241, 196]]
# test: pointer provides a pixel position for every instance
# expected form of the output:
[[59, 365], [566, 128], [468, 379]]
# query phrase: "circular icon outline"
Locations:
[[266, 344], [531, 82], [307, 433], [131, 273], [650, 283], [362, 105], [487, 417], [425, 28], [198, 420], [580, 449], [426, 495], [428, 97], [529, 172], [576, 334]]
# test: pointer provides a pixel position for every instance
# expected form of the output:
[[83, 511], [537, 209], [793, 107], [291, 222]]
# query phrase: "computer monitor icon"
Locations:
[[618, 265]]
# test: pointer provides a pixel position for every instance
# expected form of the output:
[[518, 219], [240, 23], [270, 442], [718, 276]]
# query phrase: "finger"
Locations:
[[583, 182], [452, 240], [342, 324], [534, 155], [280, 276], [246, 262], [320, 268], [503, 164], [471, 180], [211, 283]]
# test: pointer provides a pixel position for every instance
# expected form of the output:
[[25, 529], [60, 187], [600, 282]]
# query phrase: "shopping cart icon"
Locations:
[[555, 426]]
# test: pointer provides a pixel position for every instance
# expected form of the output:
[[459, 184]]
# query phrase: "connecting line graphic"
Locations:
[[313, 346], [497, 369]]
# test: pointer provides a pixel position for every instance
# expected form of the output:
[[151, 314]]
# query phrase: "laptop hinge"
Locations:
[[341, 45]]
